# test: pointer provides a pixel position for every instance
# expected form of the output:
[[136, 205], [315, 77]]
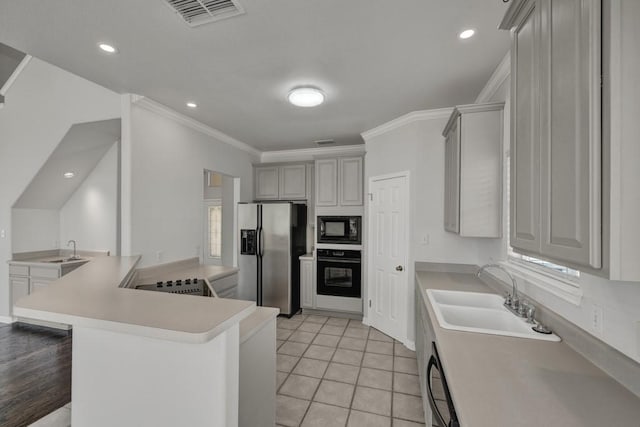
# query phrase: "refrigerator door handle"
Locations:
[[261, 242]]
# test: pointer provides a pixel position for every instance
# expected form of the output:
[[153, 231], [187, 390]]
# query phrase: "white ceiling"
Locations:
[[375, 59], [81, 149]]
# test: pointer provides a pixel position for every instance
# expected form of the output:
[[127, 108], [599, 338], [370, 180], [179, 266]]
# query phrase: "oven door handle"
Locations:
[[438, 419], [339, 261]]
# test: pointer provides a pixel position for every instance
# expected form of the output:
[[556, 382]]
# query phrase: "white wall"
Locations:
[[167, 159], [34, 229], [228, 232], [39, 109], [418, 147], [90, 215]]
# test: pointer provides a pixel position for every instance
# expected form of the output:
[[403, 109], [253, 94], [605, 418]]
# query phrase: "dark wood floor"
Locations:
[[35, 373]]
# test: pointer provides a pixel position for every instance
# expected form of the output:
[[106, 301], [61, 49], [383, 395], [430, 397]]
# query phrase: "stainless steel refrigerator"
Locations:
[[272, 237]]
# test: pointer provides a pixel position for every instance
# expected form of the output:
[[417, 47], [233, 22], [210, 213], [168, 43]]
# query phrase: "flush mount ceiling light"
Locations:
[[306, 97], [466, 34], [192, 104], [107, 48], [69, 175]]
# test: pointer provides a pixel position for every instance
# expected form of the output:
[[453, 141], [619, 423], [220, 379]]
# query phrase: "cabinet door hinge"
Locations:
[[371, 196]]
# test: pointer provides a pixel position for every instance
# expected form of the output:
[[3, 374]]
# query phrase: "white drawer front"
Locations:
[[18, 270], [44, 272]]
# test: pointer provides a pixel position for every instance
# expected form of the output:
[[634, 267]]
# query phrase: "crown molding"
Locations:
[[167, 112], [12, 78], [439, 113], [500, 74], [308, 154]]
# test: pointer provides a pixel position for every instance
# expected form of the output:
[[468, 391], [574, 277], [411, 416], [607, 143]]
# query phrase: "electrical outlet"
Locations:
[[3, 234], [425, 240], [597, 318], [159, 256]]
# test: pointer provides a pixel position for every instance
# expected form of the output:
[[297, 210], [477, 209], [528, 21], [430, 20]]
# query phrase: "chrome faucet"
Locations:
[[75, 256], [512, 300]]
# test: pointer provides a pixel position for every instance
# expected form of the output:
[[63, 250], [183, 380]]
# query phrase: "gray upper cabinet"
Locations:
[[452, 177], [350, 181], [473, 170], [326, 182], [339, 182], [570, 143], [525, 155], [283, 182], [555, 140], [293, 182], [267, 183]]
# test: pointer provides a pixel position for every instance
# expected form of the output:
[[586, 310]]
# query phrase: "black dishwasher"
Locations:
[[444, 414]]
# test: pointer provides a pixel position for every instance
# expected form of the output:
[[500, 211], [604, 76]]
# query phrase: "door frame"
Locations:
[[409, 343]]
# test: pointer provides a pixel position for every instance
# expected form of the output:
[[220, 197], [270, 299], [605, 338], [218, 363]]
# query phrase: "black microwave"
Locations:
[[340, 229]]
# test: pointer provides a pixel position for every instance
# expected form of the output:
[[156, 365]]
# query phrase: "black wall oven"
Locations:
[[340, 229], [339, 273]]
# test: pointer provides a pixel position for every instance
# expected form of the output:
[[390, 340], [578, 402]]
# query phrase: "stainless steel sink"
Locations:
[[480, 313]]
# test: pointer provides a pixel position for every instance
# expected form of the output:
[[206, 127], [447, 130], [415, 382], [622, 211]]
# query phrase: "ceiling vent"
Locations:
[[198, 12], [325, 142]]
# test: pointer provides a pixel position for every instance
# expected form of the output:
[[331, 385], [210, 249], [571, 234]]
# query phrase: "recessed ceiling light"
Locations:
[[467, 34], [306, 97], [192, 104], [69, 175], [107, 48]]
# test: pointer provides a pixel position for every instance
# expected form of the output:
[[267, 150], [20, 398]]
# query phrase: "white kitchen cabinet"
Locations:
[[267, 184], [350, 176], [19, 288], [555, 141], [281, 182], [452, 178], [339, 182], [473, 170], [525, 154], [311, 200], [293, 182], [307, 282], [574, 125], [38, 284], [326, 182], [570, 145]]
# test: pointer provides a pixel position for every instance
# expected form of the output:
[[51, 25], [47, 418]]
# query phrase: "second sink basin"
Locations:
[[466, 299], [480, 313]]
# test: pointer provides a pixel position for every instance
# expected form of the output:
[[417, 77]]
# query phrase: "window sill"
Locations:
[[565, 289]]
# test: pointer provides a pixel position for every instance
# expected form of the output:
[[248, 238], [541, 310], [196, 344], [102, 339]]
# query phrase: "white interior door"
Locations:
[[387, 273]]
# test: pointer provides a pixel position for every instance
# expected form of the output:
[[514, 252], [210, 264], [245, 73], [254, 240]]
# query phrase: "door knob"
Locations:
[[399, 268]]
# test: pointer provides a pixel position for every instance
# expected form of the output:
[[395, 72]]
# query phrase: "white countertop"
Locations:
[[90, 296], [309, 256], [506, 381]]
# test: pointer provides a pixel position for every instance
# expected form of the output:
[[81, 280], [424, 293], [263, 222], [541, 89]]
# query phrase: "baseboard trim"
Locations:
[[411, 345], [7, 319]]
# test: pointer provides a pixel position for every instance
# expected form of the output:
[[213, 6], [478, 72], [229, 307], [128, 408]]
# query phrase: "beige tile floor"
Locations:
[[339, 372]]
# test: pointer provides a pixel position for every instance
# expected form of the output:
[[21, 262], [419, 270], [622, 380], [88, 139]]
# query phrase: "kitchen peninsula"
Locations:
[[135, 351]]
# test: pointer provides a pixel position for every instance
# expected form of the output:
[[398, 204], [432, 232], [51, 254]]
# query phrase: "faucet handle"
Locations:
[[507, 298], [523, 308], [531, 313]]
